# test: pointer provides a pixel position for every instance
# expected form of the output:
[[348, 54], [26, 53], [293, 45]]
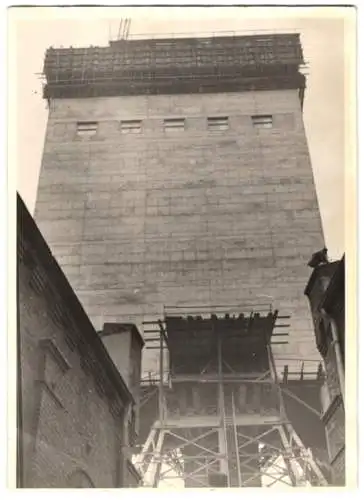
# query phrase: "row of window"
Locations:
[[214, 123]]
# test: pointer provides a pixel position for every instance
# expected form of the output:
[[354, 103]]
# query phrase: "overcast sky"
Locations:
[[323, 34]]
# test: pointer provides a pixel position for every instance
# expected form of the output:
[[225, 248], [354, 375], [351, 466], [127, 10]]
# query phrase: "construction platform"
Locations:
[[176, 65]]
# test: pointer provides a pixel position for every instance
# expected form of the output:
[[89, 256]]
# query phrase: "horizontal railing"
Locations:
[[210, 34]]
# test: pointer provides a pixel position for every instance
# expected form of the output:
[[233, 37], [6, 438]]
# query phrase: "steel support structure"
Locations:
[[193, 447]]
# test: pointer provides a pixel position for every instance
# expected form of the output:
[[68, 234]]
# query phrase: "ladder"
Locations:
[[232, 447]]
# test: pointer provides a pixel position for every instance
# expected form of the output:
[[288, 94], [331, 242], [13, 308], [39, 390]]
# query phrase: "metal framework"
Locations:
[[191, 64], [249, 446]]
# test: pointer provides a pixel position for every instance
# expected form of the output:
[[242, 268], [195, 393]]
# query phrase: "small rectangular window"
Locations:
[[218, 123], [174, 125], [86, 129], [131, 127], [262, 121]]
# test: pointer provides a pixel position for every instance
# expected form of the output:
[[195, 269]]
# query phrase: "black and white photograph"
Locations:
[[185, 245]]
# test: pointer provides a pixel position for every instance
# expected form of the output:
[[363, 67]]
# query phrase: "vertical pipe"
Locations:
[[224, 465], [161, 370], [236, 442], [273, 370], [221, 389]]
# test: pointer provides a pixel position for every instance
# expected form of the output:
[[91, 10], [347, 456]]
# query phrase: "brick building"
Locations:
[[326, 293], [75, 411], [177, 172]]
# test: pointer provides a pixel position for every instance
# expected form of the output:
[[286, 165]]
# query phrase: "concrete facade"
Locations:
[[74, 407], [194, 216]]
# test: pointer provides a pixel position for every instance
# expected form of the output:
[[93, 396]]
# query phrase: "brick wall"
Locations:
[[138, 221], [73, 428]]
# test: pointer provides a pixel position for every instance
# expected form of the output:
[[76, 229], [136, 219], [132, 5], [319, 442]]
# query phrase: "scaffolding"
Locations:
[[219, 405], [176, 65]]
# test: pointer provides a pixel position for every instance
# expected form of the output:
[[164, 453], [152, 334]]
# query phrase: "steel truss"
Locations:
[[246, 448], [155, 463]]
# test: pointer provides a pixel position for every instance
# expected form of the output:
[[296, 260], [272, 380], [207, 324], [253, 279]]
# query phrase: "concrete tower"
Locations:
[[176, 172]]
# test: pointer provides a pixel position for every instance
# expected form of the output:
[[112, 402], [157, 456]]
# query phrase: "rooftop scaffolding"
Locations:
[[176, 65]]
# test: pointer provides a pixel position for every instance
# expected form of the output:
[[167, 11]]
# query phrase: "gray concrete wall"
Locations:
[[138, 221]]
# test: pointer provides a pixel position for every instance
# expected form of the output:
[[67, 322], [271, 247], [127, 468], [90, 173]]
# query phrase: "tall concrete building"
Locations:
[[176, 172]]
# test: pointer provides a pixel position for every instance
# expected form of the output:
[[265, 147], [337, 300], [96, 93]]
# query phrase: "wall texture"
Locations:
[[139, 221], [73, 421], [326, 290]]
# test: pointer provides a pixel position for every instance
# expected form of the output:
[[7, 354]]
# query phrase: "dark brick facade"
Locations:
[[326, 293], [73, 403]]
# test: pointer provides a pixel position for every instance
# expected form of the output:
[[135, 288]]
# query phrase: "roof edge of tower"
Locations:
[[176, 66]]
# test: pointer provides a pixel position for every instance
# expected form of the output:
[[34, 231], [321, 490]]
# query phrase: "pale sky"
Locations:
[[323, 35]]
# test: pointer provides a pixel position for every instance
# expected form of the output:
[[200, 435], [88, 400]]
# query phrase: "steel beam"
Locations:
[[299, 400], [188, 442]]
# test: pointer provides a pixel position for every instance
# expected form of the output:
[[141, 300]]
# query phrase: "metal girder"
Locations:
[[163, 332], [202, 467], [209, 421], [156, 464], [228, 367], [251, 440], [265, 473], [202, 457], [307, 456], [208, 457], [291, 467], [171, 468], [263, 376], [166, 471], [249, 459], [251, 478], [198, 480], [147, 397], [193, 442], [299, 400], [147, 445], [276, 480], [205, 367], [278, 467], [241, 377], [172, 457]]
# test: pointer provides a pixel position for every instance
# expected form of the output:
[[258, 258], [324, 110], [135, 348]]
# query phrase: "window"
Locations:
[[262, 121], [218, 123], [131, 127], [174, 125], [86, 129]]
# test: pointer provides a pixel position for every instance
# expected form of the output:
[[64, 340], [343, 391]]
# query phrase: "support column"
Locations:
[[149, 443], [156, 464], [224, 468], [224, 463], [306, 455], [292, 468], [161, 381]]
